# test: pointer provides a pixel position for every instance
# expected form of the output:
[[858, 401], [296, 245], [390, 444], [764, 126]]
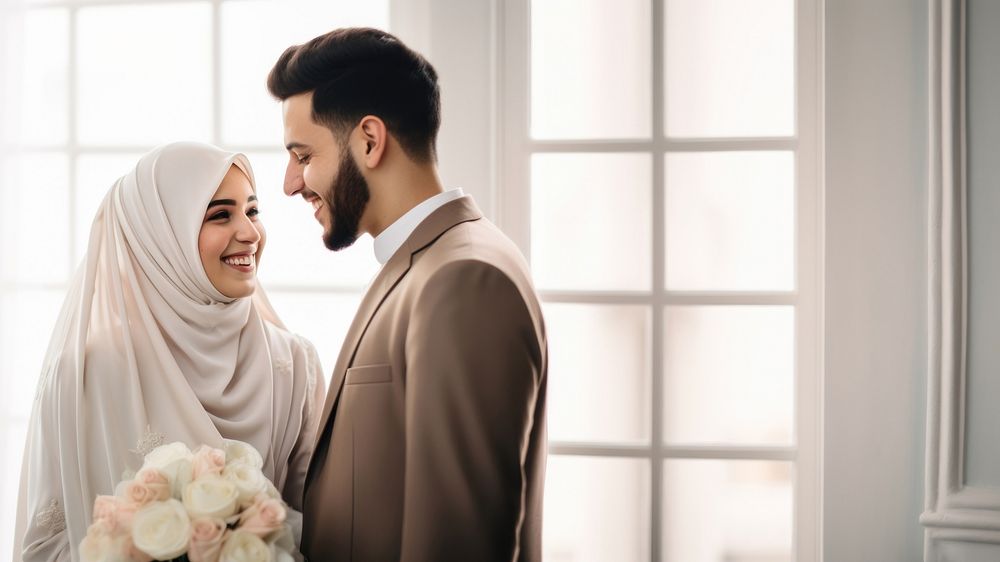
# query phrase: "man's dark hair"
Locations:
[[354, 72]]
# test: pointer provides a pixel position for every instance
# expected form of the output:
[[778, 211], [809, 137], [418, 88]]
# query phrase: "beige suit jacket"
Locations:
[[432, 442]]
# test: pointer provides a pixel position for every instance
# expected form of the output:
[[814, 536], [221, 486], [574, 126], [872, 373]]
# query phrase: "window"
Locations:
[[99, 84], [660, 171]]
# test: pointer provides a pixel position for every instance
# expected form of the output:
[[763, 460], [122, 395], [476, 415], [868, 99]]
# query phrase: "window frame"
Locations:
[[515, 148]]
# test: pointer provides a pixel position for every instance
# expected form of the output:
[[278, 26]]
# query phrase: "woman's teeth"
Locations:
[[240, 260]]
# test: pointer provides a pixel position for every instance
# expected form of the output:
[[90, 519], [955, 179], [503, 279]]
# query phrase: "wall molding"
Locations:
[[953, 511]]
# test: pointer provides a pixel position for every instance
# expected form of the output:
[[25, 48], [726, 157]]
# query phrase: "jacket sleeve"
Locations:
[[474, 362]]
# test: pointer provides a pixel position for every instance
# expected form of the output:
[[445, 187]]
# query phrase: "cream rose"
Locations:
[[206, 539], [167, 454], [212, 496], [162, 529], [207, 461], [242, 546], [174, 462], [249, 481], [238, 451], [102, 545]]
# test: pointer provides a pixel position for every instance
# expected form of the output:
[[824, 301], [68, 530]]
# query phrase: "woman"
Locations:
[[164, 337]]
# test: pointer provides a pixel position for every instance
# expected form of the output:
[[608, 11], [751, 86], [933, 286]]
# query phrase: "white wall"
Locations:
[[457, 37], [982, 447], [876, 281]]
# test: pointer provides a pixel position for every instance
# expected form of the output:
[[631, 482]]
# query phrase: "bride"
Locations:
[[164, 336]]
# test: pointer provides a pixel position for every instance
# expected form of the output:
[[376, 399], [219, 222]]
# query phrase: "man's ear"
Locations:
[[374, 137]]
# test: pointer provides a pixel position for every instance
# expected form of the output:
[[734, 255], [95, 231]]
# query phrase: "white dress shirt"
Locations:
[[393, 237]]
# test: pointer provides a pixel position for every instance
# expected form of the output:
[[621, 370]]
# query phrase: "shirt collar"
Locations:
[[392, 238]]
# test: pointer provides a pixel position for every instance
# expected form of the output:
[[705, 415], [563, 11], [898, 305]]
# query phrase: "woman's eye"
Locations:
[[219, 215], [253, 212]]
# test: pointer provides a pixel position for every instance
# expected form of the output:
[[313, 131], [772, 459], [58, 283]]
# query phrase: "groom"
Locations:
[[431, 446]]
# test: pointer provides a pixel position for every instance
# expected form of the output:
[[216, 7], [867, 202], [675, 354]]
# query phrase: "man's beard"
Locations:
[[350, 195]]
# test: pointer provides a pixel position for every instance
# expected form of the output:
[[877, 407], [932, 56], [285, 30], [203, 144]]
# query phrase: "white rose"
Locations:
[[175, 462], [100, 545], [211, 496], [249, 481], [167, 454], [279, 554], [283, 547], [162, 529], [238, 451], [242, 546]]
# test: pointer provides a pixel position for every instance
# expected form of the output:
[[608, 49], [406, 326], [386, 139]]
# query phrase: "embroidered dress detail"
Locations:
[[52, 518], [283, 366], [149, 441]]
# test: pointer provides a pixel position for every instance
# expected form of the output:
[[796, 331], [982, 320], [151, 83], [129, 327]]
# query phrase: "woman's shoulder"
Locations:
[[293, 347]]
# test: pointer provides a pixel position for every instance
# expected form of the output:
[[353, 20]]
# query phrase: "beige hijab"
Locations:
[[147, 351]]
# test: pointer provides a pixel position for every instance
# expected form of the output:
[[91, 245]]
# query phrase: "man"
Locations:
[[432, 442]]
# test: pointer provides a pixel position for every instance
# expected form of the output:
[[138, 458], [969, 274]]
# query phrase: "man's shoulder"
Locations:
[[476, 241]]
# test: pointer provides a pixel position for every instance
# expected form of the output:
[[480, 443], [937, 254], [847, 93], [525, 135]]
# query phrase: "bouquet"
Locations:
[[210, 505]]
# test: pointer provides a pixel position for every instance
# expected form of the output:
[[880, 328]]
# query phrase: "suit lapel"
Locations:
[[440, 221]]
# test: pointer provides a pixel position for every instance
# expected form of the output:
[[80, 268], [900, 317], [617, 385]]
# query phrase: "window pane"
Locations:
[[591, 224], [601, 395], [728, 375], [591, 69], [34, 218], [26, 325], [45, 67], [295, 254], [730, 68], [730, 221], [139, 80], [321, 318], [727, 511], [95, 174], [254, 34], [596, 509]]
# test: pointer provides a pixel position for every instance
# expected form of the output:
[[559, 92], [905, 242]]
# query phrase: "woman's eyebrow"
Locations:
[[218, 202], [230, 202]]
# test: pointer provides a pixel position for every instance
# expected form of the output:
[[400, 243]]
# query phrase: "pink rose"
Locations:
[[106, 511], [206, 539], [208, 461], [265, 516], [156, 481], [148, 486], [114, 514]]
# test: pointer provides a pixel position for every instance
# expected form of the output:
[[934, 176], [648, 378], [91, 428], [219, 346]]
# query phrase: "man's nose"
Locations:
[[293, 179]]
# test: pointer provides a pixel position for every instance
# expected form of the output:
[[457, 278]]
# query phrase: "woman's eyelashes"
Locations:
[[252, 212]]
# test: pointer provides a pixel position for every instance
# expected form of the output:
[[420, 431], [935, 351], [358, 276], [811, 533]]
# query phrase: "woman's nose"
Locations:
[[248, 232]]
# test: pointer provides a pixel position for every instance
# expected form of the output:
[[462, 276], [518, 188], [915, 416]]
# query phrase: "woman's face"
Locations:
[[232, 237]]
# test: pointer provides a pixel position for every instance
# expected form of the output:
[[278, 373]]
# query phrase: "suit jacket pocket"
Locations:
[[369, 374]]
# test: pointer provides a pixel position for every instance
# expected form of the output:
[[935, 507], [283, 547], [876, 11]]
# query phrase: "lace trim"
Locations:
[[149, 441], [52, 518]]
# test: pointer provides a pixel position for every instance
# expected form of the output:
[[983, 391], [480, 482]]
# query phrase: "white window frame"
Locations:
[[515, 147]]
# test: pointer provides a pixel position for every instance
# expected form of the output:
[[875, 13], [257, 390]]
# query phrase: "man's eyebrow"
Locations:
[[294, 145]]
